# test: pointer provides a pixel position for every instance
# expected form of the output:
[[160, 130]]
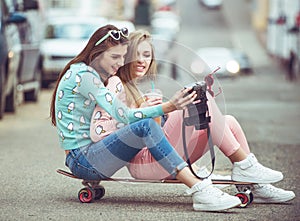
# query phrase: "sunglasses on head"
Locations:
[[115, 34]]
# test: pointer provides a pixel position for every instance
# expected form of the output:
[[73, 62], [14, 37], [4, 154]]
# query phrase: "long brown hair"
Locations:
[[126, 72], [87, 55]]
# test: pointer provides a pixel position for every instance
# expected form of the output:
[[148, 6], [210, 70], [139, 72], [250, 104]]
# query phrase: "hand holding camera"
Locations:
[[183, 98]]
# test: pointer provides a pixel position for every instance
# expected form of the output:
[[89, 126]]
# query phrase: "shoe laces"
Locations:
[[212, 190], [266, 188], [261, 168]]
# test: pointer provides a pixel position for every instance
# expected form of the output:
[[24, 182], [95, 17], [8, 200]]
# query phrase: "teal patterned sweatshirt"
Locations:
[[78, 92]]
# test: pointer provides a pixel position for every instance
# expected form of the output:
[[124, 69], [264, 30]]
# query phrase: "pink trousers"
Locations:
[[226, 133]]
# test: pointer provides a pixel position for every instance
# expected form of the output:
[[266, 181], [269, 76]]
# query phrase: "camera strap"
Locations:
[[211, 150]]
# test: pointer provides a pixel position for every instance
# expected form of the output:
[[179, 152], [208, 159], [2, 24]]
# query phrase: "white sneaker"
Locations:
[[249, 170], [208, 198], [267, 193], [203, 172]]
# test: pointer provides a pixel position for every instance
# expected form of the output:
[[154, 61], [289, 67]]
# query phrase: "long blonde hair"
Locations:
[[126, 72]]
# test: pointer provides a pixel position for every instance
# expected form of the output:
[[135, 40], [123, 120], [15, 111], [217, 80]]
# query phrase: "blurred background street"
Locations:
[[256, 43]]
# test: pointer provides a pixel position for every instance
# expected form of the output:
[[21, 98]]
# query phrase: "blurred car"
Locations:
[[10, 56], [19, 72], [29, 73], [231, 61], [64, 38], [212, 4], [165, 27]]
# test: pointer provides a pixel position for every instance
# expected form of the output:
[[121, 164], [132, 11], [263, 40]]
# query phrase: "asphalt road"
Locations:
[[266, 105]]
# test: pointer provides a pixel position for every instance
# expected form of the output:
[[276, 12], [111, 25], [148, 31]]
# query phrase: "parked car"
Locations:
[[231, 61], [29, 73], [19, 72], [64, 38], [10, 56]]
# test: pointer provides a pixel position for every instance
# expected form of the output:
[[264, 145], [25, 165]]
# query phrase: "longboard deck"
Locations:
[[130, 179]]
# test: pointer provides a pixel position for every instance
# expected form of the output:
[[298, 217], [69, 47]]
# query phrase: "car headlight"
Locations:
[[233, 66], [197, 66]]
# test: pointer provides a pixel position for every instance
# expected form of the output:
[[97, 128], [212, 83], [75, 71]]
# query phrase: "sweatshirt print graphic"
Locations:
[[78, 92]]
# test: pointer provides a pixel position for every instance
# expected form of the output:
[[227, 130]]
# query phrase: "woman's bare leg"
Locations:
[[238, 155], [185, 176]]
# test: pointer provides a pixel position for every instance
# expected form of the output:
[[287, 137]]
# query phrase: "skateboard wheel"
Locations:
[[99, 192], [245, 199], [246, 189], [86, 195]]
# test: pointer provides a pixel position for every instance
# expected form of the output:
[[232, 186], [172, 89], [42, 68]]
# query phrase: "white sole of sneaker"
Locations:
[[219, 207], [282, 200]]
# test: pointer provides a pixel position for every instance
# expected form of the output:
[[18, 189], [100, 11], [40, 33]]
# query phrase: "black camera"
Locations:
[[198, 111]]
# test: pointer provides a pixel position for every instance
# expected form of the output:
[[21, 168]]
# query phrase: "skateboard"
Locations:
[[93, 190]]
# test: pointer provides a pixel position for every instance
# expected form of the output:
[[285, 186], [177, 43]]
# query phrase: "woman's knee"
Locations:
[[143, 127]]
